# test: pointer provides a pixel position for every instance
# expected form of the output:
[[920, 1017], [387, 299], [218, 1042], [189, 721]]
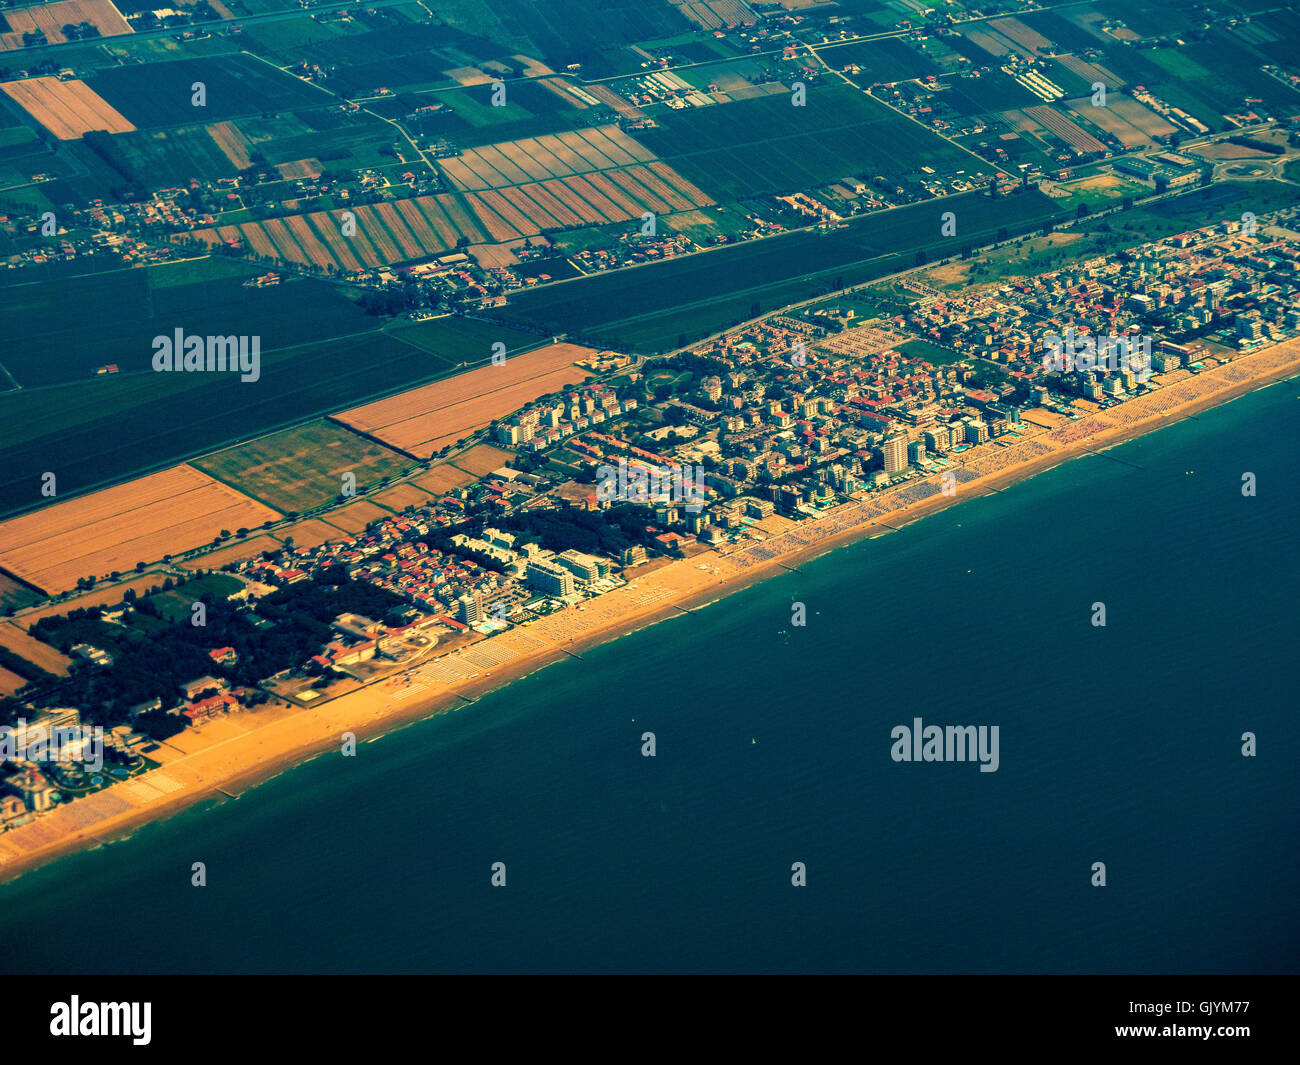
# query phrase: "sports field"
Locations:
[[301, 468]]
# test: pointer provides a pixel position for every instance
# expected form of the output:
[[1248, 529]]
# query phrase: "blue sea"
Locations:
[[1119, 744]]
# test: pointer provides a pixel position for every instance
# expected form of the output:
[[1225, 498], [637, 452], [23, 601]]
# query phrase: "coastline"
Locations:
[[227, 756]]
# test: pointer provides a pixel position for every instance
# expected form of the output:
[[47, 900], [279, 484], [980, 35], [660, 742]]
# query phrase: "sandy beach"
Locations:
[[226, 756]]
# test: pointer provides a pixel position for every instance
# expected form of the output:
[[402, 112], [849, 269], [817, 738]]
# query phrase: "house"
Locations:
[[195, 688], [224, 656], [203, 709]]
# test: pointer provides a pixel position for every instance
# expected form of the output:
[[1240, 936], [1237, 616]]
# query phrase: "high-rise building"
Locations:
[[550, 578], [894, 451], [468, 609]]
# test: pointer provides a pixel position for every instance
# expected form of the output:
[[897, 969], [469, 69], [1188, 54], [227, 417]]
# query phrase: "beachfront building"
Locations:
[[586, 567], [36, 790], [467, 609], [893, 450], [550, 578]]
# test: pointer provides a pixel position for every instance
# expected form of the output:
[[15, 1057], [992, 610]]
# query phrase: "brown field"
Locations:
[[498, 161], [523, 161], [496, 226], [68, 109], [424, 420], [372, 225], [570, 198], [543, 156], [582, 177], [301, 168], [459, 218], [318, 252], [1020, 33], [38, 654], [10, 682], [484, 459], [593, 196], [410, 247], [164, 513], [236, 552], [603, 184], [633, 186], [511, 214], [328, 229], [468, 76], [301, 468], [311, 533], [1130, 121], [437, 218], [1092, 72], [418, 225], [232, 143], [356, 516], [444, 478], [537, 216], [51, 18], [403, 496], [550, 204]]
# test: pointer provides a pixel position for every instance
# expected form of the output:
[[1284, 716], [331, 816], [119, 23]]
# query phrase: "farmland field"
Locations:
[[159, 94], [879, 61], [100, 431], [684, 299], [116, 315], [354, 517], [50, 19], [141, 521], [751, 147], [68, 109], [301, 468], [425, 420]]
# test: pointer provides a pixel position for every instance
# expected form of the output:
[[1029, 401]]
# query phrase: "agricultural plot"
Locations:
[[386, 233], [879, 61], [754, 147], [664, 305], [50, 19], [111, 319], [112, 530], [115, 426], [160, 94], [402, 496], [588, 31], [582, 177], [1135, 125], [68, 109], [172, 157], [354, 517], [301, 468], [425, 420]]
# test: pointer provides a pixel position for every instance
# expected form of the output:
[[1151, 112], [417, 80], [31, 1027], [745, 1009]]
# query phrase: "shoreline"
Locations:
[[222, 759]]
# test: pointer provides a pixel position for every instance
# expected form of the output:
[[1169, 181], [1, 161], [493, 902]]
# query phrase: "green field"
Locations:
[[298, 469], [112, 317], [98, 432], [681, 300], [767, 145], [159, 94]]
